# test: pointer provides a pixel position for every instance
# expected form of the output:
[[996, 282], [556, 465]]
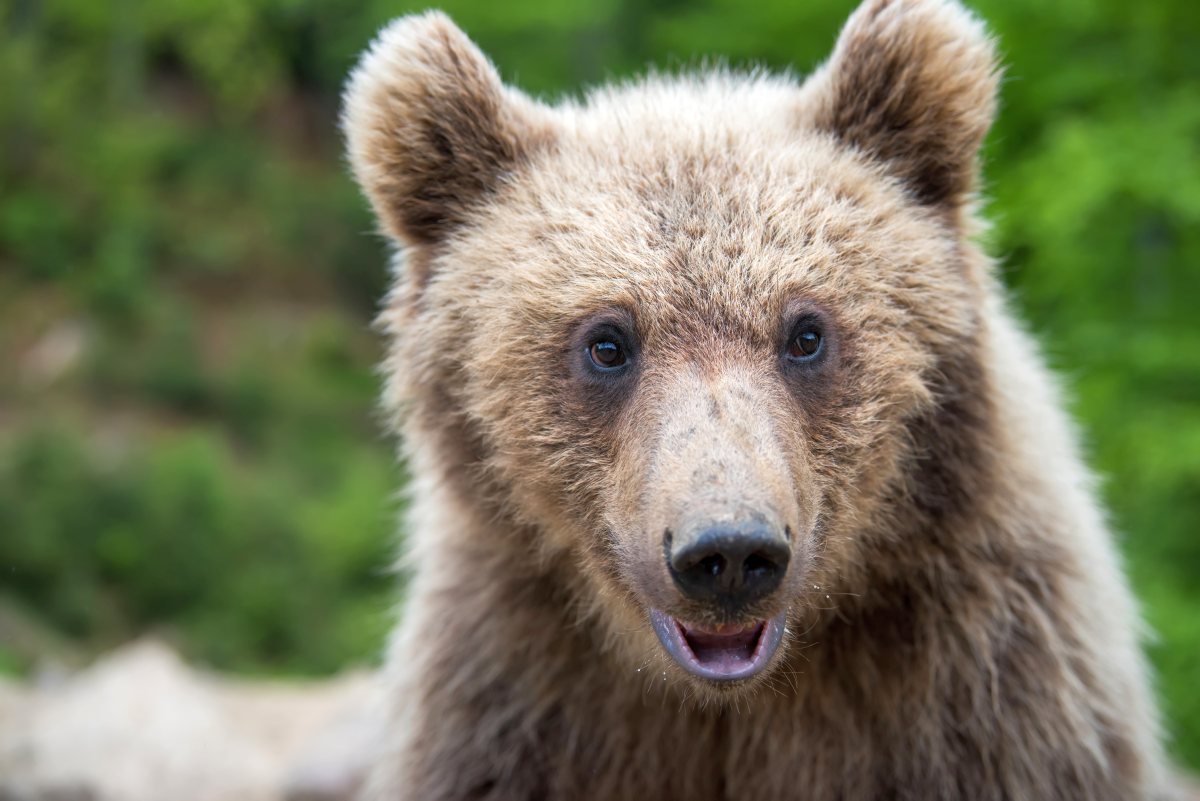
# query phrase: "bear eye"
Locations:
[[805, 344], [607, 354]]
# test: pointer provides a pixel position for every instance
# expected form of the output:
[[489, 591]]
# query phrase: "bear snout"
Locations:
[[730, 565]]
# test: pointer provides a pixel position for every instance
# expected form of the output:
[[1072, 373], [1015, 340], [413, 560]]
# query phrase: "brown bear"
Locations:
[[732, 474]]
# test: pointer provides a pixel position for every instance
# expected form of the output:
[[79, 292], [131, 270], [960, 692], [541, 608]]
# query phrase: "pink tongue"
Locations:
[[723, 650]]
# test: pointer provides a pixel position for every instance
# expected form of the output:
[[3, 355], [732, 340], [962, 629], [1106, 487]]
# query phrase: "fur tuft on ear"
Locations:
[[913, 84], [430, 129]]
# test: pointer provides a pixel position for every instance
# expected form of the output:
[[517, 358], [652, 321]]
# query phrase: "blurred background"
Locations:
[[189, 444]]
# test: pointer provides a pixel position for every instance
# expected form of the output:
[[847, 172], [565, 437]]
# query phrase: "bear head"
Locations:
[[707, 342]]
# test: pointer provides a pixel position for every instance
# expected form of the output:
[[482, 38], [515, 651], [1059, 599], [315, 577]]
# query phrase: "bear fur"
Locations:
[[957, 622]]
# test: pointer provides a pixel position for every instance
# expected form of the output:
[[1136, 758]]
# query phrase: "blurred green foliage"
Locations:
[[188, 441]]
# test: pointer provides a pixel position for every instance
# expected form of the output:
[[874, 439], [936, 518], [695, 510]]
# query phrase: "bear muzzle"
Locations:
[[731, 570]]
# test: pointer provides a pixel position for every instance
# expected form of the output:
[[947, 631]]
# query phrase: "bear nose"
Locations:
[[731, 564]]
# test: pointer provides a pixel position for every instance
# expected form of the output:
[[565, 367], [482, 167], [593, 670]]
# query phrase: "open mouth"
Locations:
[[723, 653]]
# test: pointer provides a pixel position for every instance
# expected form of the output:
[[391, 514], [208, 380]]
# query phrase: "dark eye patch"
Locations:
[[809, 353], [603, 359]]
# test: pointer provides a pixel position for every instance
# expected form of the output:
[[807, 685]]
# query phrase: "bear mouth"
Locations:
[[721, 653]]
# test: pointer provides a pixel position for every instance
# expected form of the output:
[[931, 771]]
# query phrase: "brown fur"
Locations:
[[958, 627]]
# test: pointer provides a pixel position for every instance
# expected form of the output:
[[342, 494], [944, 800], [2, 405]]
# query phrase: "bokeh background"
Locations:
[[188, 438]]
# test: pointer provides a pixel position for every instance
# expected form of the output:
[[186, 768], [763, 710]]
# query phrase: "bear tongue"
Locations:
[[723, 647]]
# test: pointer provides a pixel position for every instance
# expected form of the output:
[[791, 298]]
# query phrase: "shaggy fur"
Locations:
[[958, 625]]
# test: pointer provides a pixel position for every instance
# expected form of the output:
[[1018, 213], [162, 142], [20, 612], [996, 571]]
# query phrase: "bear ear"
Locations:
[[913, 84], [430, 129]]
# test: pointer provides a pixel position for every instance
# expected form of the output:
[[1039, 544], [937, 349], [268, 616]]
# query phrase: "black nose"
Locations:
[[731, 564]]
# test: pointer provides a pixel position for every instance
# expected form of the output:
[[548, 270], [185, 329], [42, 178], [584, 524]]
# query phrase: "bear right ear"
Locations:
[[912, 83], [430, 129]]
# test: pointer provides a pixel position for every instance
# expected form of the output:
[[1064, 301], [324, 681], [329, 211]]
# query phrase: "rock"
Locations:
[[331, 766], [140, 725]]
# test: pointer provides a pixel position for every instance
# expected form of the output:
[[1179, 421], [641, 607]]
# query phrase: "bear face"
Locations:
[[691, 334]]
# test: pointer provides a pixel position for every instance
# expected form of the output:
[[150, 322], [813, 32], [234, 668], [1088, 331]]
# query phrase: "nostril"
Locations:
[[712, 565], [757, 565]]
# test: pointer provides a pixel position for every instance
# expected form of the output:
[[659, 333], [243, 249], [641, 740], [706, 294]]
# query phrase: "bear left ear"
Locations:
[[430, 129], [913, 84]]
